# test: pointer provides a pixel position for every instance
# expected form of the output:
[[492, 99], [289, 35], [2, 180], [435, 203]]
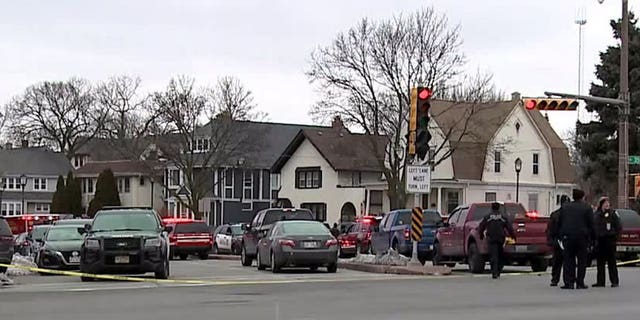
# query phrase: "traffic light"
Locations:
[[548, 104], [422, 122]]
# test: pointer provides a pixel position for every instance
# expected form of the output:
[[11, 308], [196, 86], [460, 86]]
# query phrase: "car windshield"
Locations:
[[236, 230], [38, 232], [125, 221], [192, 227], [75, 222], [63, 234], [629, 218], [277, 215], [304, 228]]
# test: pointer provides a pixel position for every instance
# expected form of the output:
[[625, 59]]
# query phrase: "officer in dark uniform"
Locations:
[[608, 228], [497, 225], [553, 241], [575, 228]]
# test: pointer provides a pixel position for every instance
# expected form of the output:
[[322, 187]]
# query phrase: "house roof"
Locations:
[[33, 161], [343, 150], [117, 166], [470, 136]]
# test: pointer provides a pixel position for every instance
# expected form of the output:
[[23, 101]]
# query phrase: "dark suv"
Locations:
[[260, 226], [6, 244], [125, 241]]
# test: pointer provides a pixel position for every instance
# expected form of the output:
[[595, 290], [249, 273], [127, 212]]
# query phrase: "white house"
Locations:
[[332, 172], [485, 140]]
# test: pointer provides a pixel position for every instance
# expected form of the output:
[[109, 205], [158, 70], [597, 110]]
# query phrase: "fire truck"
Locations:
[[24, 223]]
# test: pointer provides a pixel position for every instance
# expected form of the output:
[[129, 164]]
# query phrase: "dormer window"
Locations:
[[201, 145]]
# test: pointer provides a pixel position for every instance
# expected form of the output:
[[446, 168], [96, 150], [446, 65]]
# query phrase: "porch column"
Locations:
[[367, 199], [439, 203]]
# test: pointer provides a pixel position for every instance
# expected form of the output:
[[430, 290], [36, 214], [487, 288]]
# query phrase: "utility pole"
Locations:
[[580, 21], [623, 127]]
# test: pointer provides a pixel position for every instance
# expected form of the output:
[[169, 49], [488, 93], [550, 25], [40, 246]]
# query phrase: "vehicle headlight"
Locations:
[[92, 243], [154, 242]]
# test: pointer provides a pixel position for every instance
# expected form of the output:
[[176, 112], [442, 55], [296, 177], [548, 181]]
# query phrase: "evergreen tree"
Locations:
[[596, 141], [74, 195], [58, 201], [106, 192]]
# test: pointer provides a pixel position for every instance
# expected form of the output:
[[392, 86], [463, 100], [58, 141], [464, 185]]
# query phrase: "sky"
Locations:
[[529, 46]]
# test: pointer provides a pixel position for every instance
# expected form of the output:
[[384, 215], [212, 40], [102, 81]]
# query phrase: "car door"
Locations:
[[227, 237], [265, 243], [445, 234], [218, 234], [380, 239], [459, 233]]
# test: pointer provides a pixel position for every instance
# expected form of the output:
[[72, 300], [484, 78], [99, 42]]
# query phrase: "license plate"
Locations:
[[310, 244], [628, 249], [74, 259], [522, 248], [122, 259]]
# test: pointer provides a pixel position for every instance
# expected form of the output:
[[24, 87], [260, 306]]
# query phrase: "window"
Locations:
[[308, 178], [536, 163], [40, 184], [174, 178], [275, 181], [375, 203], [319, 210], [42, 207], [497, 158], [11, 184], [87, 185], [78, 161], [228, 184], [490, 197], [124, 185], [201, 145], [356, 179], [247, 190], [452, 200], [11, 208], [533, 201]]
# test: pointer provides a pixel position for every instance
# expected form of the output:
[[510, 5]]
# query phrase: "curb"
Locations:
[[401, 270], [224, 257]]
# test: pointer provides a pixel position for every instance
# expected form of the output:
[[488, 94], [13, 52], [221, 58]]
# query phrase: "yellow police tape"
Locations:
[[222, 282]]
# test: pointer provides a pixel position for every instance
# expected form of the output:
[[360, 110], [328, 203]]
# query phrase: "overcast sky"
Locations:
[[529, 45]]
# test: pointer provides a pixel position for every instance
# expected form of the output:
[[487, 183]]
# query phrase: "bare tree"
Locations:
[[200, 140], [366, 74], [130, 116], [231, 98], [59, 114]]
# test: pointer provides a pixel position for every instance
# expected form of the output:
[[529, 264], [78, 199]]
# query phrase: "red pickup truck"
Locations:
[[459, 242]]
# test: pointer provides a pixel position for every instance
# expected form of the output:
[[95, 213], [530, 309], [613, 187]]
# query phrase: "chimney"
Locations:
[[25, 143], [337, 123], [515, 96]]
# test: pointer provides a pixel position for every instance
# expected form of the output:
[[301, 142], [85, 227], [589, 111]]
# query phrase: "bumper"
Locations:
[[406, 248], [190, 249], [523, 251], [627, 249], [307, 258], [119, 262], [57, 260]]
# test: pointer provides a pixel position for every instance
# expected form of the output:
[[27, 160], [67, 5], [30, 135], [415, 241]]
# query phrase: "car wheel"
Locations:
[[476, 261], [394, 245], [164, 272], [340, 254], [184, 256], [204, 255], [332, 268], [244, 259], [539, 265], [314, 268], [3, 269], [87, 279], [234, 249], [275, 266], [358, 249], [261, 266], [215, 249]]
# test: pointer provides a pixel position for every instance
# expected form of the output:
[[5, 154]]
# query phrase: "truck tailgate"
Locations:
[[531, 231]]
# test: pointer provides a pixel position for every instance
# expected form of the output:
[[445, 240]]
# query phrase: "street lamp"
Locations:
[[2, 187], [23, 183], [518, 166]]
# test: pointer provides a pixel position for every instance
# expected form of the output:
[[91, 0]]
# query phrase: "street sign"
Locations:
[[418, 179], [634, 159], [416, 224]]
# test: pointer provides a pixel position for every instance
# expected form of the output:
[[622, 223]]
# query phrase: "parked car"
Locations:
[[298, 244], [357, 237], [394, 232], [22, 245], [458, 240], [72, 222], [189, 237], [6, 244], [125, 241], [260, 226], [629, 242], [227, 239], [36, 236], [61, 248]]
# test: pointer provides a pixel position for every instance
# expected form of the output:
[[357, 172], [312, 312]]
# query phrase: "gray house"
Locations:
[[28, 178]]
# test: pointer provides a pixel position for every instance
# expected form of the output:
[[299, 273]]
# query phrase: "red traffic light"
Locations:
[[425, 94], [530, 104]]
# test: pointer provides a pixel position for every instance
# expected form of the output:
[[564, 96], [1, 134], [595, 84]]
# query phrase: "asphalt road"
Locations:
[[302, 295]]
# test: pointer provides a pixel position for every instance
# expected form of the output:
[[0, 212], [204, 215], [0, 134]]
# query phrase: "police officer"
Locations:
[[496, 224], [553, 240], [575, 228], [608, 228]]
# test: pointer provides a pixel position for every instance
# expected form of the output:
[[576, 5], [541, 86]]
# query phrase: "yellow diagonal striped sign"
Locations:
[[416, 224]]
